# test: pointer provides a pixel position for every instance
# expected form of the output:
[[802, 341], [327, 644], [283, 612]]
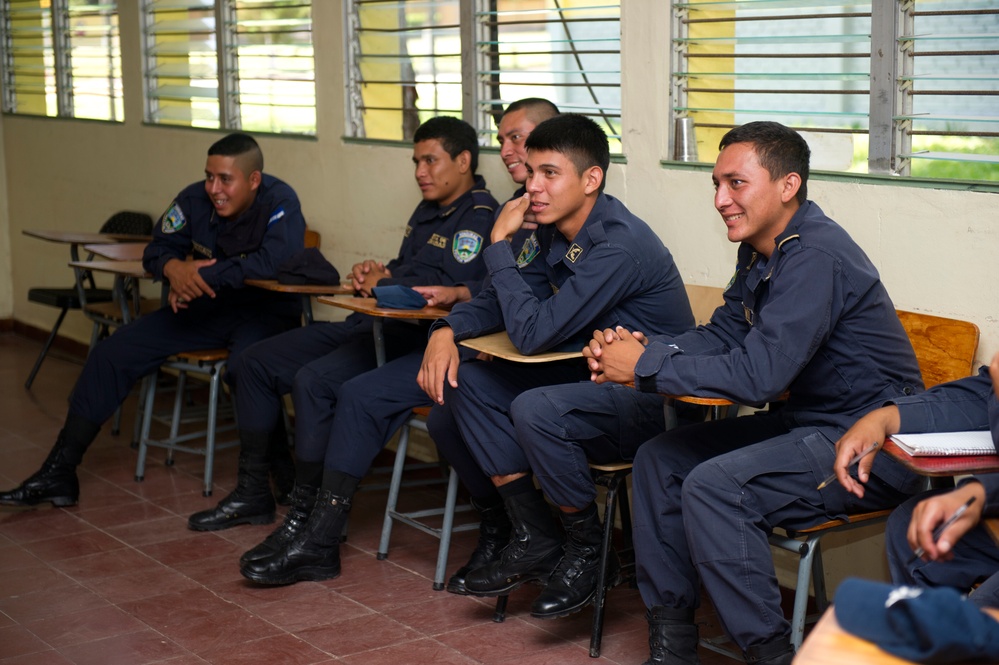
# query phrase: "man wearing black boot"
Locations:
[[239, 223], [603, 266], [515, 125], [805, 313], [346, 406]]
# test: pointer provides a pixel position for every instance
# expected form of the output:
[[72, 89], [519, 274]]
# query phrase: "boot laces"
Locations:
[[576, 559]]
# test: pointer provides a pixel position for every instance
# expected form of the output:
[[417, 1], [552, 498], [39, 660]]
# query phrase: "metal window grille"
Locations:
[[566, 51], [409, 60], [877, 87], [61, 58], [230, 64]]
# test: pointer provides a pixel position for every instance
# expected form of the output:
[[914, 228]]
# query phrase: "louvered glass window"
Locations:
[[231, 64], [564, 51], [409, 60], [876, 87], [61, 58]]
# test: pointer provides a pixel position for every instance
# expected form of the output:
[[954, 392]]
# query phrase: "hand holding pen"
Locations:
[[859, 456], [946, 524]]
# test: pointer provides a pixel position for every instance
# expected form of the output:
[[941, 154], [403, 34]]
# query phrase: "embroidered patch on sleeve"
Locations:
[[173, 219], [575, 251], [278, 214], [530, 250], [466, 246]]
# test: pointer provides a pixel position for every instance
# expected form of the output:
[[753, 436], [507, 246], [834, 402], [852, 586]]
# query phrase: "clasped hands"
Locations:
[[186, 283], [613, 353]]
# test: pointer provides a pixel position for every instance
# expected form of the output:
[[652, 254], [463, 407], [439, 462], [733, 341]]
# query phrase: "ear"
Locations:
[[792, 183], [593, 177], [464, 160]]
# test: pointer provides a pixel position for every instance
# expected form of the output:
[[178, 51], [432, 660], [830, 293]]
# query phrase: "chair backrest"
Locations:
[[312, 238], [704, 300], [119, 251], [129, 223], [945, 348]]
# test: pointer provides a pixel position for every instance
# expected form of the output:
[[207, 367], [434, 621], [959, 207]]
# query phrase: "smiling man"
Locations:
[[804, 313], [601, 265], [240, 223]]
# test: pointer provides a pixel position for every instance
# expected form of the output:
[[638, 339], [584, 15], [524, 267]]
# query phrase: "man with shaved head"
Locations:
[[239, 223]]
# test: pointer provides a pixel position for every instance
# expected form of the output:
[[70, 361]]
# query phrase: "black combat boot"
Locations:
[[573, 583], [251, 502], [56, 481], [303, 499], [672, 636], [313, 554], [777, 652], [534, 549], [282, 465], [494, 534]]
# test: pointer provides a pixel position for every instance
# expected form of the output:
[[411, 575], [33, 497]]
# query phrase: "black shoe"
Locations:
[[672, 637], [776, 652], [303, 498], [494, 534], [313, 554], [55, 483], [534, 549], [573, 584], [250, 503]]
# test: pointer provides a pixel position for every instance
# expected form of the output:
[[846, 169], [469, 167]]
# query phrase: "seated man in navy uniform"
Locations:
[[516, 123], [347, 408], [806, 313], [604, 266], [966, 553], [240, 223]]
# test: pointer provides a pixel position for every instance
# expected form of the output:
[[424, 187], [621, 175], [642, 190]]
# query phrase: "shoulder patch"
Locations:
[[529, 251], [173, 219], [278, 214], [409, 230], [734, 275], [575, 251], [466, 246]]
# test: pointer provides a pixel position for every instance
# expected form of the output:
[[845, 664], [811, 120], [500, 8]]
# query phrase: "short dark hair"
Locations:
[[455, 136], [575, 136], [779, 149], [538, 109], [243, 146]]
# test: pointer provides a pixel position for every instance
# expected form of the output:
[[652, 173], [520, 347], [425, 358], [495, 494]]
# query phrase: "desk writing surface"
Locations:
[[124, 268], [83, 238], [370, 306], [828, 644], [118, 251], [498, 344], [306, 289], [951, 465]]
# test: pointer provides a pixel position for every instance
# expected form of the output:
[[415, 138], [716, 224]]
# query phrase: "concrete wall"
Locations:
[[935, 248]]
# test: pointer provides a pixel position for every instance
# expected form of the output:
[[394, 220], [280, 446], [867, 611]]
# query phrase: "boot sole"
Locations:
[[255, 519], [301, 575], [57, 501]]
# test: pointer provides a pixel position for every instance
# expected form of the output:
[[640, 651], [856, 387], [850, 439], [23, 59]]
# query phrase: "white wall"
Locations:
[[935, 248]]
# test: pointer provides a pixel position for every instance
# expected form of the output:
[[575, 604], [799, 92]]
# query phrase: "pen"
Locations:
[[869, 449], [940, 529]]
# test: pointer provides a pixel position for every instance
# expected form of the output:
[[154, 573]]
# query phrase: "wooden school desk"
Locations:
[[305, 290]]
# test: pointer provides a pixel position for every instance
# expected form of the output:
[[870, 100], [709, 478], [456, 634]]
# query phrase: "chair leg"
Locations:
[[809, 549], [499, 614], [45, 349], [213, 401], [597, 633], [393, 495], [446, 526], [178, 410], [148, 398]]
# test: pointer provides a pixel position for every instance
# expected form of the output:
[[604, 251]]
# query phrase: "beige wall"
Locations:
[[935, 248]]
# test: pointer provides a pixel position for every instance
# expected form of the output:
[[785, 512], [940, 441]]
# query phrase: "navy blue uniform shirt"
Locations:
[[815, 320], [251, 246], [616, 271], [441, 244]]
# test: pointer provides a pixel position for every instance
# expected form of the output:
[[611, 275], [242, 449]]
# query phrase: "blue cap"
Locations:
[[398, 296], [923, 625]]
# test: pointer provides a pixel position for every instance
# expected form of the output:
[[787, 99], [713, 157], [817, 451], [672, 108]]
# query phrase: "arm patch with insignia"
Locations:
[[173, 219]]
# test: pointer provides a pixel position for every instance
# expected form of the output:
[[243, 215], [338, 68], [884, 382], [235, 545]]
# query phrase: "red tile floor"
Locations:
[[120, 579]]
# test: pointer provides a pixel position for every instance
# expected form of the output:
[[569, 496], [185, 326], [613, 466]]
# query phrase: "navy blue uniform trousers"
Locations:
[[138, 349], [705, 500], [347, 407], [976, 559]]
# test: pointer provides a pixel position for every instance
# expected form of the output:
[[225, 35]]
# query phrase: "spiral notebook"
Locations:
[[946, 443]]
